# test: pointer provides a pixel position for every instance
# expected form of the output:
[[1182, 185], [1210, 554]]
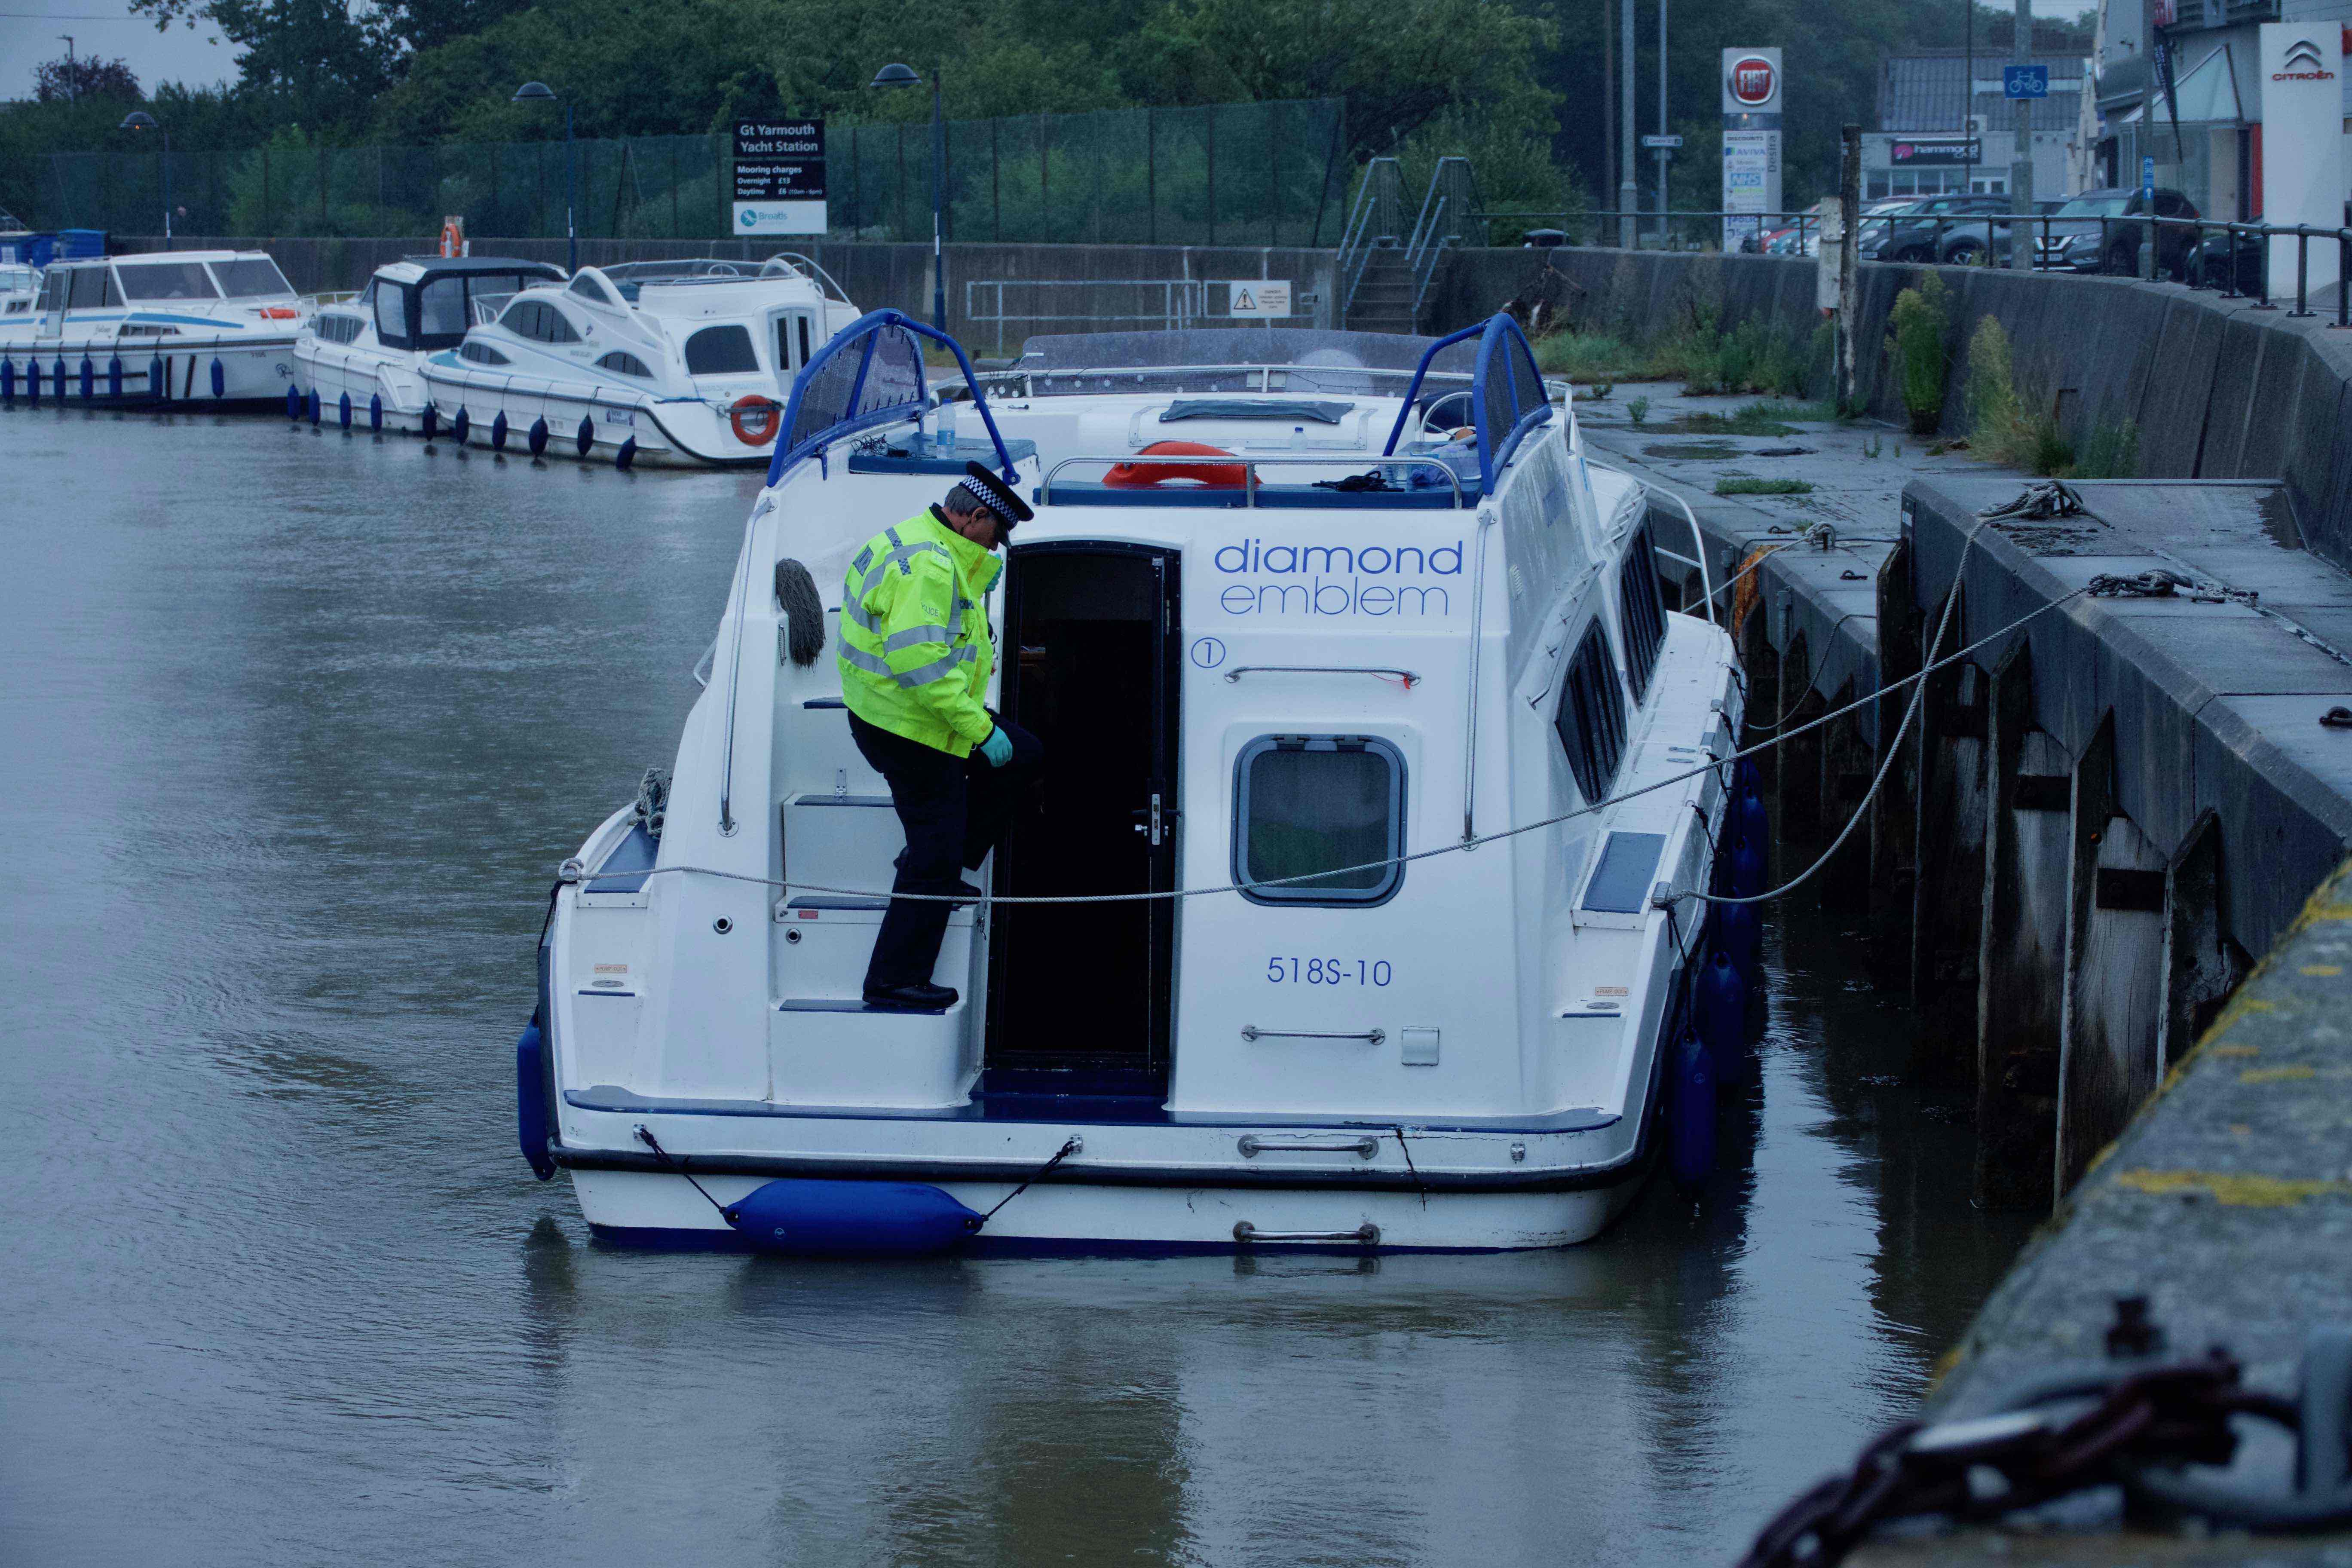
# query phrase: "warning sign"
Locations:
[[1262, 297]]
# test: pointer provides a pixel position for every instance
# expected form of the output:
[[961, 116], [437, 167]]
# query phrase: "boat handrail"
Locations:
[[1250, 464], [1412, 677], [1559, 391], [809, 268]]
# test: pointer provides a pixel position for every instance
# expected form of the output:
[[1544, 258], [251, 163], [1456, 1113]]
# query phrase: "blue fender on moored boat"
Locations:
[[343, 410], [1722, 1003], [376, 412], [430, 421], [89, 378], [57, 377], [498, 432], [7, 381], [219, 378], [460, 424], [32, 382], [115, 375], [1738, 930], [1747, 874], [1749, 814], [627, 455], [311, 405], [293, 401], [530, 1100], [587, 436], [537, 438], [1690, 1114], [817, 1217]]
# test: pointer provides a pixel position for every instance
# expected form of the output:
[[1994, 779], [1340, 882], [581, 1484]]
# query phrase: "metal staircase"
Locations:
[[1384, 273]]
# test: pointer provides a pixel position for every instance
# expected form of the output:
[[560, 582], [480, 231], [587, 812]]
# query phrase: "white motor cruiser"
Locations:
[[362, 360], [1337, 921], [675, 362], [211, 328]]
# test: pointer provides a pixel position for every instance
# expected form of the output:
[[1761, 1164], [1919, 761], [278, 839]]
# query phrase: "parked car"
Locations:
[[1929, 231], [2223, 258], [2072, 241]]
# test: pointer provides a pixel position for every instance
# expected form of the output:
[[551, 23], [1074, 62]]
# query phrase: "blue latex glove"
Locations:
[[997, 748]]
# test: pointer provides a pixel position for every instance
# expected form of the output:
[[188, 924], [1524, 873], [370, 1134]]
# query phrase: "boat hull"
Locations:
[[253, 373]]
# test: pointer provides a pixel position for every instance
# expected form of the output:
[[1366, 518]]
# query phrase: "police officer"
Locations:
[[915, 657]]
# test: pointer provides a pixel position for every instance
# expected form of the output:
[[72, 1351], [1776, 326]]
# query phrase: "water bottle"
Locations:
[[947, 436]]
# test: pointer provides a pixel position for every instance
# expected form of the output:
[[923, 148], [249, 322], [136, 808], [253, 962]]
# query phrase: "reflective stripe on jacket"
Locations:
[[916, 654]]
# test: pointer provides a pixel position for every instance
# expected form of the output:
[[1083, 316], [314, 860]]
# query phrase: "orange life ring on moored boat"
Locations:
[[1143, 475], [755, 419]]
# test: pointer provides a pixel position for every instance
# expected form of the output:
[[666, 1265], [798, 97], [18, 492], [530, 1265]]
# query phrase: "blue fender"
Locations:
[[293, 401], [115, 375], [343, 410], [814, 1216], [587, 436], [311, 405], [376, 412], [1739, 932], [460, 426], [1747, 876], [159, 379], [530, 1100], [1723, 1016], [57, 377], [32, 382], [537, 440], [627, 455], [89, 378], [219, 378], [1749, 817], [430, 422], [7, 381], [498, 432], [1690, 1114]]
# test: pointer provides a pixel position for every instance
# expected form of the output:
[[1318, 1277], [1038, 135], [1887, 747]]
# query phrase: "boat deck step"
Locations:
[[853, 1005]]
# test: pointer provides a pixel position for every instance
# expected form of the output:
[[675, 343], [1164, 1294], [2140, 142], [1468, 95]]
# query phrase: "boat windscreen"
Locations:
[[250, 277], [844, 387], [165, 280], [1284, 411]]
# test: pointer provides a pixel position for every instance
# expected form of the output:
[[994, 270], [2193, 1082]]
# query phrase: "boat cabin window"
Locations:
[[621, 364], [93, 287], [337, 329], [538, 321], [250, 277], [166, 281], [391, 315], [587, 288], [1592, 716], [442, 307], [719, 351], [1640, 610], [481, 353], [1306, 804]]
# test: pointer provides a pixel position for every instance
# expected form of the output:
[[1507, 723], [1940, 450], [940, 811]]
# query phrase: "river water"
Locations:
[[299, 726]]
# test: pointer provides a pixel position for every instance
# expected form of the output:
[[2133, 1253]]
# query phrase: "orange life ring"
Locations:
[[1143, 475], [755, 419]]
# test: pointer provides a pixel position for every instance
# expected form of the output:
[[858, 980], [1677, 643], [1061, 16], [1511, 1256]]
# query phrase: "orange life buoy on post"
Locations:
[[1143, 475], [754, 418]]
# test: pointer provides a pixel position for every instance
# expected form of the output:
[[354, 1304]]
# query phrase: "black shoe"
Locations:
[[912, 998], [966, 892]]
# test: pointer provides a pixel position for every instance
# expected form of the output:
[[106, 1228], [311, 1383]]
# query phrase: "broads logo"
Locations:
[[1338, 579], [2303, 64]]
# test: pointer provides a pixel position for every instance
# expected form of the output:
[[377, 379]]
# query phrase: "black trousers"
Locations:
[[954, 810]]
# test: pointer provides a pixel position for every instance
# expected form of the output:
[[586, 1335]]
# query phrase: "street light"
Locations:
[[531, 91], [140, 119], [905, 76]]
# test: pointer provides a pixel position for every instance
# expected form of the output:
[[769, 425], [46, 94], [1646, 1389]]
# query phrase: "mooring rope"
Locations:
[[574, 872]]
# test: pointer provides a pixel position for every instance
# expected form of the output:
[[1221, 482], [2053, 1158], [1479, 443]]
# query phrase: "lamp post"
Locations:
[[139, 119], [905, 76], [529, 91]]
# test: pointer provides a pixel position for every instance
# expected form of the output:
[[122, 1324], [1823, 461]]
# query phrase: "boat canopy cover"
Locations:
[[871, 372], [1508, 397]]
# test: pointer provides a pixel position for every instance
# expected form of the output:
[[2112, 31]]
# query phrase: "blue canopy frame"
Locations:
[[862, 337], [1500, 338]]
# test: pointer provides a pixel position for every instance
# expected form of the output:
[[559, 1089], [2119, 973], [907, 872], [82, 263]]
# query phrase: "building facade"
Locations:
[[1944, 125]]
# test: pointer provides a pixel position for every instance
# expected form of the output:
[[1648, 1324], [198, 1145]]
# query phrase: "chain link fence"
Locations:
[[1239, 173]]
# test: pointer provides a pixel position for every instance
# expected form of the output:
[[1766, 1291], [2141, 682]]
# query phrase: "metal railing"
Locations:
[[1373, 222], [1596, 225], [1250, 464], [1449, 215], [1156, 304]]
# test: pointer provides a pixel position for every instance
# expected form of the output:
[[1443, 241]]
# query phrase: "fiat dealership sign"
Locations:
[[1751, 81], [1751, 143]]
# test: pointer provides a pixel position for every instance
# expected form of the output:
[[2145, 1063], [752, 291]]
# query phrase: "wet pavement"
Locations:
[[300, 724]]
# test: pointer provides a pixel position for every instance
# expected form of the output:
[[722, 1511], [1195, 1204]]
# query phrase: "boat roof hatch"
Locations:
[[870, 374]]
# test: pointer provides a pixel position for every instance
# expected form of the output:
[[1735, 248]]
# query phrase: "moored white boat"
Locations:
[[1343, 719], [666, 363], [362, 360], [209, 327]]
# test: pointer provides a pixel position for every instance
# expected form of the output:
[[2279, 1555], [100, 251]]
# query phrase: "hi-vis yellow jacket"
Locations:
[[915, 653]]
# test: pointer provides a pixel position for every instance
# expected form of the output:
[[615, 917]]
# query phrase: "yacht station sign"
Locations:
[[780, 176]]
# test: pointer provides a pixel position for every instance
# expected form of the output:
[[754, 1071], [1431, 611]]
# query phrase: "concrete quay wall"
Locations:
[[2216, 388]]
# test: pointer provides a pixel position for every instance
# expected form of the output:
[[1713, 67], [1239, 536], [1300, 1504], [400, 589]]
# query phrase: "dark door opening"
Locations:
[[1091, 640]]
